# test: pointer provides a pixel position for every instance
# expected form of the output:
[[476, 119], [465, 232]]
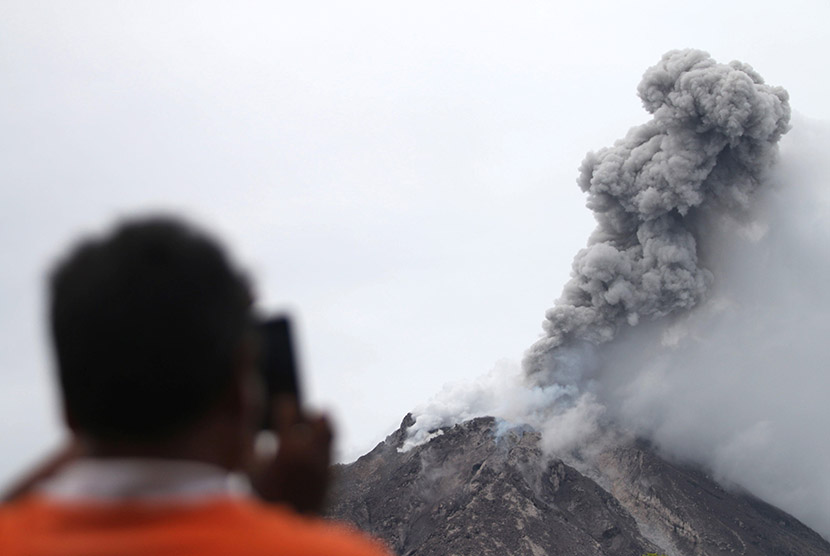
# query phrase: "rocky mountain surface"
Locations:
[[485, 488]]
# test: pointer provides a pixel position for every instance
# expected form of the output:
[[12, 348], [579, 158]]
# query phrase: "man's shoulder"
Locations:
[[222, 526], [277, 526]]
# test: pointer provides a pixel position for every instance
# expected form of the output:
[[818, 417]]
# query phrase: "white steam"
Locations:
[[697, 315], [502, 393]]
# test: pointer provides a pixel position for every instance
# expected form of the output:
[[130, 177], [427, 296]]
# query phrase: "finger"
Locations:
[[286, 413], [322, 428]]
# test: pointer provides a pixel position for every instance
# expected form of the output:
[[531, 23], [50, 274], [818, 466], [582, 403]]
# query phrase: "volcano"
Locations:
[[688, 314], [485, 487]]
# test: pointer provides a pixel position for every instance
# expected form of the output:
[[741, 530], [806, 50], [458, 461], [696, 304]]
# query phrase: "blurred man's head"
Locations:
[[147, 324]]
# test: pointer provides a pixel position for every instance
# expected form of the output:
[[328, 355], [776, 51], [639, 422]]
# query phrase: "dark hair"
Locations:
[[145, 324]]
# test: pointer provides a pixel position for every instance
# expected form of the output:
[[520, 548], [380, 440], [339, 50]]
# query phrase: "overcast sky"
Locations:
[[400, 175]]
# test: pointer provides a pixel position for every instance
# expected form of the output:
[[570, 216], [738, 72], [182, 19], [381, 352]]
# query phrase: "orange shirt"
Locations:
[[221, 525]]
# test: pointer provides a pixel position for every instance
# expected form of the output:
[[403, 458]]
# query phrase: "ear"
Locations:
[[246, 391], [242, 407]]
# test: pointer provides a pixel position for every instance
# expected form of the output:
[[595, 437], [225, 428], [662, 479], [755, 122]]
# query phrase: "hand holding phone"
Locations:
[[299, 473], [278, 366]]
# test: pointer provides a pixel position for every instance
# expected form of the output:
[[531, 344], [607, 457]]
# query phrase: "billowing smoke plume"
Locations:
[[721, 262], [710, 142]]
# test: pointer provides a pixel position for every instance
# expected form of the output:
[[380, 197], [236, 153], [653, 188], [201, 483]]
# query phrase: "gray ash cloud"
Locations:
[[710, 142]]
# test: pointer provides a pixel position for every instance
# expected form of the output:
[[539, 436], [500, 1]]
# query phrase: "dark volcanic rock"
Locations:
[[691, 514], [479, 490], [482, 488]]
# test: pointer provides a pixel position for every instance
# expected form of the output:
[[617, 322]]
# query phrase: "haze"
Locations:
[[403, 177]]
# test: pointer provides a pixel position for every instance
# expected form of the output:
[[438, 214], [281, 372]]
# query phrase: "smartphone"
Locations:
[[278, 364]]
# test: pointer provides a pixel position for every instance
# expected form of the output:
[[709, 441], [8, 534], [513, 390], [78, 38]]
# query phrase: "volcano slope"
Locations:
[[483, 487]]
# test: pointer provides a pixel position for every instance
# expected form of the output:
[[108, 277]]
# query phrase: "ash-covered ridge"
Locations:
[[483, 487]]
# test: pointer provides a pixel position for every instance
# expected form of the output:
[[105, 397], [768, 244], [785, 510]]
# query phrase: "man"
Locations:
[[156, 353]]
